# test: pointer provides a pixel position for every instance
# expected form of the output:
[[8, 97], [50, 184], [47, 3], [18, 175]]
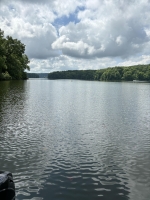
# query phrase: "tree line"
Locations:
[[13, 60], [136, 72], [32, 75], [73, 74]]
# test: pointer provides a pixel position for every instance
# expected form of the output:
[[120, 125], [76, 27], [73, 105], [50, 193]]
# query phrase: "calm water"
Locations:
[[76, 140]]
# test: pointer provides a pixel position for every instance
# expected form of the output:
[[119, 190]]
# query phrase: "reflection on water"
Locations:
[[76, 139]]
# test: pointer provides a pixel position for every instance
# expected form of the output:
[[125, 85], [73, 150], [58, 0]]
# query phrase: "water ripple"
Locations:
[[76, 140]]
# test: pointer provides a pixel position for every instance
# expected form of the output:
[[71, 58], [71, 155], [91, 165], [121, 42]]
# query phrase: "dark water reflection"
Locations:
[[76, 139]]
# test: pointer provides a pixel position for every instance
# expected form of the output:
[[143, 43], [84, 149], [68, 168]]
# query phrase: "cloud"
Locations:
[[32, 23], [39, 46], [94, 38], [79, 34], [63, 62], [78, 49]]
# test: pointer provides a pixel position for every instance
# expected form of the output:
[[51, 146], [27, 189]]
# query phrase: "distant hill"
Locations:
[[32, 75], [37, 75], [43, 75]]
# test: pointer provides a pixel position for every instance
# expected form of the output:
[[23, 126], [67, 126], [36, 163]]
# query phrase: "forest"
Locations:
[[13, 60], [136, 72]]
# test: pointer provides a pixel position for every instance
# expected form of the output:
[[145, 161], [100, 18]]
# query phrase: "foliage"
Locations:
[[13, 61], [73, 74], [5, 76], [138, 72]]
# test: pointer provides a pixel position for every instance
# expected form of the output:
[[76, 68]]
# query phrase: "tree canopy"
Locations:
[[137, 72], [13, 60]]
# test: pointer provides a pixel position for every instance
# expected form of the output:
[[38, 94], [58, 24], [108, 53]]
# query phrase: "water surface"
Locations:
[[76, 140]]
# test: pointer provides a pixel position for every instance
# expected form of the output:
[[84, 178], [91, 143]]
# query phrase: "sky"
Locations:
[[79, 34]]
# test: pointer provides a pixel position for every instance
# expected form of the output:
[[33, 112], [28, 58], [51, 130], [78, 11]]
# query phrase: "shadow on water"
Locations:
[[12, 99]]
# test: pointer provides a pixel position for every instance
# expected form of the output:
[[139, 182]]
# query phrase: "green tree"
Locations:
[[127, 76], [3, 66], [13, 61], [140, 72], [111, 74]]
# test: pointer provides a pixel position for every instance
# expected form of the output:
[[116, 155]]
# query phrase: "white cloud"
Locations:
[[40, 44], [78, 49], [114, 38], [65, 62], [120, 40], [143, 59], [105, 32]]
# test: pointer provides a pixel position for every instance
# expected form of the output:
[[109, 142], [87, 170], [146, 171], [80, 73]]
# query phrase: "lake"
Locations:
[[76, 140]]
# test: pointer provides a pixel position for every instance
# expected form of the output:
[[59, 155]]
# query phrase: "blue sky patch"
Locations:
[[64, 20]]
